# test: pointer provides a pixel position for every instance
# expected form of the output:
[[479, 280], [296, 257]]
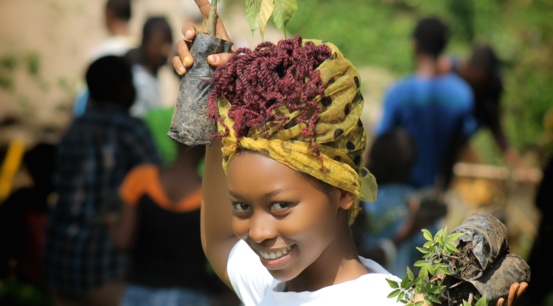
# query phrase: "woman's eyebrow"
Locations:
[[267, 195]]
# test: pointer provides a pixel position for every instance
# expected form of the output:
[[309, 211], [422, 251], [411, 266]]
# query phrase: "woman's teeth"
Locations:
[[277, 254]]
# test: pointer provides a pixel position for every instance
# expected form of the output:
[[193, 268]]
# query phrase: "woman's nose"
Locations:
[[262, 227]]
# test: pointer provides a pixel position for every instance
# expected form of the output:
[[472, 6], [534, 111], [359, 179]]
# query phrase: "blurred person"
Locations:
[[160, 225], [152, 54], [147, 60], [117, 17], [541, 290], [390, 226], [23, 215], [433, 107], [99, 148], [481, 70]]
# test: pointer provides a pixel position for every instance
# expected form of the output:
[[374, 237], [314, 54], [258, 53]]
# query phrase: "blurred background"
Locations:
[[44, 46]]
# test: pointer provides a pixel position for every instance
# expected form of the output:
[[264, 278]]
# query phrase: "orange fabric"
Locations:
[[145, 180]]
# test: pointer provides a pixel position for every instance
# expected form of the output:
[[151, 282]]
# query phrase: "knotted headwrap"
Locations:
[[339, 133]]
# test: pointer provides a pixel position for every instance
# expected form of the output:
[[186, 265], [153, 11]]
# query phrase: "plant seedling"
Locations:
[[258, 13], [437, 251]]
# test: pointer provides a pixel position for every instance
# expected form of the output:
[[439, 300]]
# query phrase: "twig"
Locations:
[[212, 20]]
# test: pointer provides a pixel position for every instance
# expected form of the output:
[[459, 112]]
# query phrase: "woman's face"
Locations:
[[287, 218]]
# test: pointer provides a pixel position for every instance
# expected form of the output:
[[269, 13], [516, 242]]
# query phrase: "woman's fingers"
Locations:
[[189, 31], [204, 7], [217, 60], [522, 288], [513, 290], [183, 60]]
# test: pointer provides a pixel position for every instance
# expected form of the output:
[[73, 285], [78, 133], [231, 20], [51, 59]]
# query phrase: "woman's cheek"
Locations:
[[240, 227]]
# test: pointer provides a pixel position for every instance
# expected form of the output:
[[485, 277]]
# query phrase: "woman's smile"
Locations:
[[277, 259]]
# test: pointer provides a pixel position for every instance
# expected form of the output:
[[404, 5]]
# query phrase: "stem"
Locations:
[[212, 20]]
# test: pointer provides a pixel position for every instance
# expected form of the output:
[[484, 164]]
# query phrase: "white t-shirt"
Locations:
[[254, 285], [113, 45], [148, 92]]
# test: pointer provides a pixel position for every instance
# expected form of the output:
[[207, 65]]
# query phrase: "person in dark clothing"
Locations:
[[160, 225], [22, 216], [482, 71], [98, 150], [541, 286]]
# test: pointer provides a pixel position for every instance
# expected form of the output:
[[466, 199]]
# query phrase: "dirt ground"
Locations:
[[42, 52]]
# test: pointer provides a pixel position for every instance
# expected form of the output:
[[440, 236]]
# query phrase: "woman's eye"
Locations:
[[240, 207], [280, 205]]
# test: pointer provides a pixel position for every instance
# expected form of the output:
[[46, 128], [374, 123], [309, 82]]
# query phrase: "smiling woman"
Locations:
[[275, 218], [292, 140], [276, 215]]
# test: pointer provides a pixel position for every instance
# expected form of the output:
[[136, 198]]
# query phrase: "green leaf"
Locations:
[[450, 248], [265, 13], [410, 274], [454, 236], [283, 12], [423, 272], [422, 250], [394, 293], [252, 13], [406, 282], [481, 301], [393, 284], [432, 299], [401, 296], [426, 234]]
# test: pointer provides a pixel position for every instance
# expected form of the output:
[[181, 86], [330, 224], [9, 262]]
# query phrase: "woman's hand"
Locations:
[[515, 291], [184, 60]]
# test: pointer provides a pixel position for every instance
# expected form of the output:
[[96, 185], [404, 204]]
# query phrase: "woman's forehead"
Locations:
[[251, 170]]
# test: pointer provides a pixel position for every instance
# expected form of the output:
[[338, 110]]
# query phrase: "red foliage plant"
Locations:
[[258, 82]]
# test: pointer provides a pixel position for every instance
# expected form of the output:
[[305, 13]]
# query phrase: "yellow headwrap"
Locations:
[[340, 135]]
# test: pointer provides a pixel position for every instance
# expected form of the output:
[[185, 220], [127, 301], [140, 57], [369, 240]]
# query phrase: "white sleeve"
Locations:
[[249, 278]]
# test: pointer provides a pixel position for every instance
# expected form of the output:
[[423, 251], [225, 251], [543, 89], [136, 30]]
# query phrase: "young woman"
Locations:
[[276, 215]]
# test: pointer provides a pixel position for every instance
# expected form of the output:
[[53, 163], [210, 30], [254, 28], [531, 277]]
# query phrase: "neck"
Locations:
[[152, 69], [427, 66], [119, 28], [337, 264]]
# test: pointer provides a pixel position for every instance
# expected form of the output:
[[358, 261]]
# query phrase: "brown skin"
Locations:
[[218, 225], [157, 50], [116, 26], [275, 208]]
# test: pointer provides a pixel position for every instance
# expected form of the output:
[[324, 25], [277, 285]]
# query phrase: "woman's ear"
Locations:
[[346, 199]]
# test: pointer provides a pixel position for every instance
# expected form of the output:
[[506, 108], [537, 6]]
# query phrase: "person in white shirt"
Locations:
[[147, 59], [275, 218], [117, 17]]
